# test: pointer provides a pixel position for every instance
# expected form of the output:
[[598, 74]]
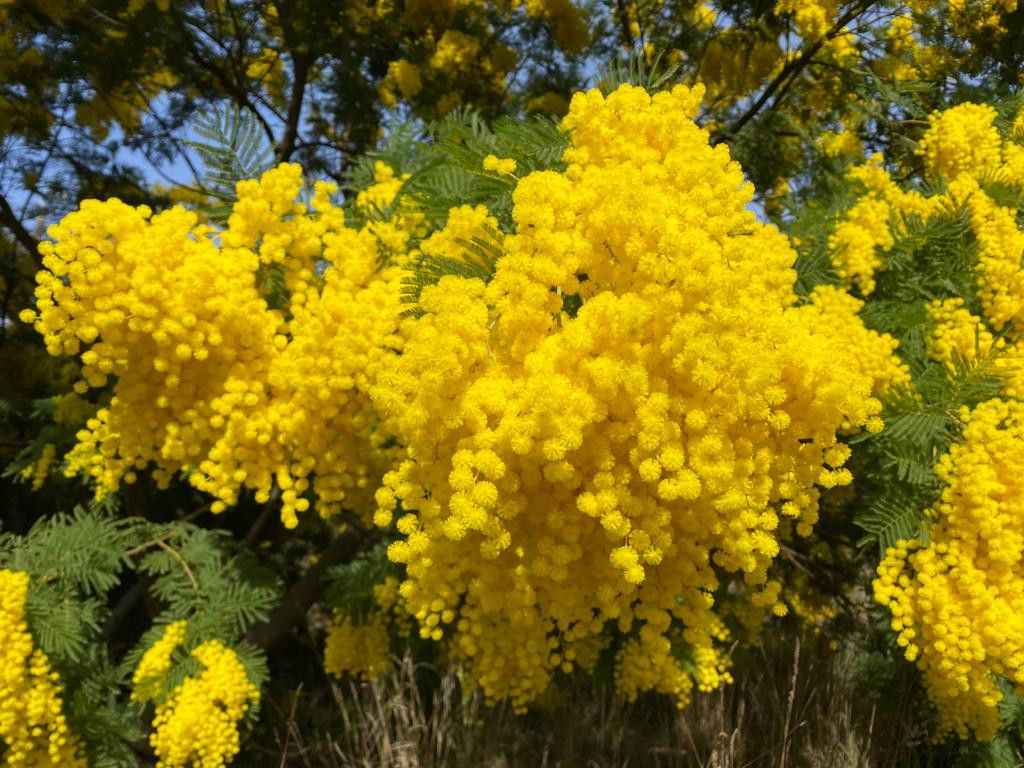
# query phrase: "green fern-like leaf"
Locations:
[[106, 722], [634, 70], [232, 147], [453, 172], [478, 260], [920, 427], [203, 576], [350, 586], [891, 518]]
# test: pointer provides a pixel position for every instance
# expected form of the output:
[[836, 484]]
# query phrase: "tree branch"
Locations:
[[268, 510], [304, 592], [794, 66], [10, 220], [301, 63], [235, 90]]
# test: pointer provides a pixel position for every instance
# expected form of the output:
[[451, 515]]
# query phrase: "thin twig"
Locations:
[[181, 560]]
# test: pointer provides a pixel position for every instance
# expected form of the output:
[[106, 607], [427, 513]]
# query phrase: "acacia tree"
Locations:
[[479, 395]]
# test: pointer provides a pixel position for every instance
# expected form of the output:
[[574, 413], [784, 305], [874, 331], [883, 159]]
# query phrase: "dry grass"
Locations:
[[796, 703]]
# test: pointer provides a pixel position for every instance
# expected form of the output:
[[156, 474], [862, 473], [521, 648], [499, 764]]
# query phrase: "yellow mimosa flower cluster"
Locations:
[[464, 225], [565, 468], [362, 648], [835, 311], [959, 335], [955, 595], [33, 730], [812, 18], [1000, 269], [845, 142], [903, 49], [503, 166], [963, 145], [39, 470], [405, 220], [958, 602], [208, 378], [197, 725], [151, 673], [356, 649], [865, 232], [72, 408], [403, 77]]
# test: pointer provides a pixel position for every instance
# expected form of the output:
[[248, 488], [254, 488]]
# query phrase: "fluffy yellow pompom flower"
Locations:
[[957, 601], [198, 723], [631, 409], [33, 729], [504, 166]]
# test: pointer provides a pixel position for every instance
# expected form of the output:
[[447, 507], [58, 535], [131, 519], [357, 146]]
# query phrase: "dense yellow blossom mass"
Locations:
[[620, 463], [208, 378], [957, 603], [361, 650], [197, 725], [618, 429], [33, 729]]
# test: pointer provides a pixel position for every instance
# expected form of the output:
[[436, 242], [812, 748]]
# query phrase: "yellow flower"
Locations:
[[962, 140], [406, 77], [813, 19], [39, 470], [152, 671], [357, 649], [33, 728], [844, 142], [503, 166]]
